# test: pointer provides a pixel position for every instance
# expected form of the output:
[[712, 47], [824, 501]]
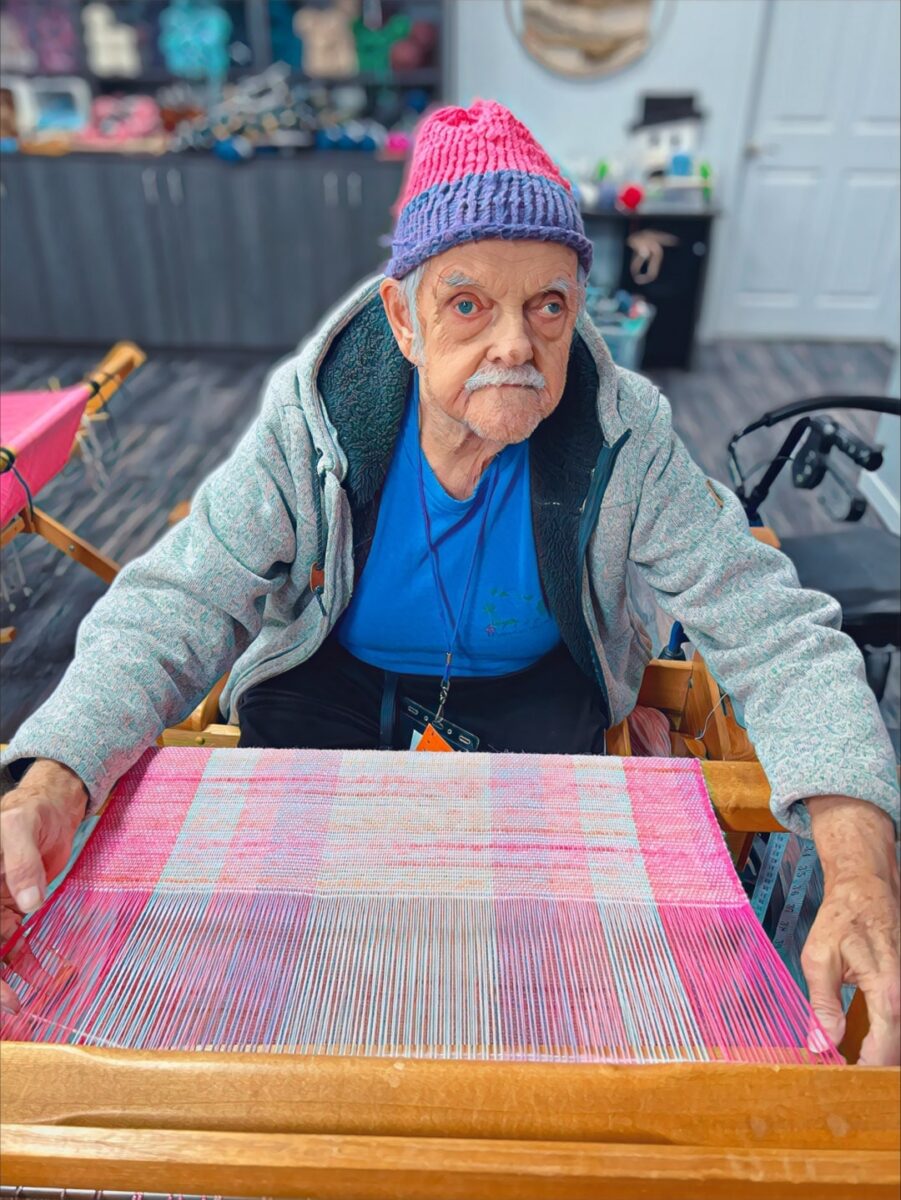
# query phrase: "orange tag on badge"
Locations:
[[432, 740]]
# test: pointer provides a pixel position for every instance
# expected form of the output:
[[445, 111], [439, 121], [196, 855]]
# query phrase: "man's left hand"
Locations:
[[855, 937]]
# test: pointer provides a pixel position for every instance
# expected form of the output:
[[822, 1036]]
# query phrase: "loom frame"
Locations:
[[346, 1128], [106, 378]]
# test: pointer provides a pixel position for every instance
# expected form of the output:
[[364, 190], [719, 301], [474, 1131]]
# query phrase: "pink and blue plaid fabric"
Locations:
[[448, 905]]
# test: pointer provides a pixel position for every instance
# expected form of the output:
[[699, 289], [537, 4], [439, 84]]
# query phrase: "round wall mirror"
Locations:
[[583, 39]]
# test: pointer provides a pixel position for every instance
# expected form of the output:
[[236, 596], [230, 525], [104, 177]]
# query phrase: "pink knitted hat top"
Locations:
[[478, 173]]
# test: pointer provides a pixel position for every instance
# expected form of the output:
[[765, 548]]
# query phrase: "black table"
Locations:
[[678, 289]]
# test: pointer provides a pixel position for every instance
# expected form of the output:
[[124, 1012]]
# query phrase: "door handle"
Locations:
[[758, 150], [176, 191], [354, 189], [330, 188], [151, 191]]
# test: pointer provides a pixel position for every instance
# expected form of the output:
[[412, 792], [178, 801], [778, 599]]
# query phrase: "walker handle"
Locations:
[[869, 458]]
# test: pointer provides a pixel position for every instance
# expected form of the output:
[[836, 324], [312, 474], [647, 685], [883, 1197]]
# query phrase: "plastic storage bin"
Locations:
[[623, 334]]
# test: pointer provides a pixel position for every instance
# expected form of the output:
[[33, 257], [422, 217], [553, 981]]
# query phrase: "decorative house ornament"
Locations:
[[669, 128]]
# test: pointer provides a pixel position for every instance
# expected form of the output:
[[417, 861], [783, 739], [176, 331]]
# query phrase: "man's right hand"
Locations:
[[38, 820]]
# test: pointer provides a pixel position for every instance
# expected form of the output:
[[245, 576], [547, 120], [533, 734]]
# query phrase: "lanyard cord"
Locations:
[[445, 606]]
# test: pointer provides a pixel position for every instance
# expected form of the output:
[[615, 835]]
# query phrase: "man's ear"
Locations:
[[395, 305]]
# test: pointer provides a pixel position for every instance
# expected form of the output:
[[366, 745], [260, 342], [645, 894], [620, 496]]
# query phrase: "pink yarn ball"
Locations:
[[406, 55], [425, 35]]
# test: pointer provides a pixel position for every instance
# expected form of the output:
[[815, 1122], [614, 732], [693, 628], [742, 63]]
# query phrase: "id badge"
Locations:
[[431, 742], [455, 737]]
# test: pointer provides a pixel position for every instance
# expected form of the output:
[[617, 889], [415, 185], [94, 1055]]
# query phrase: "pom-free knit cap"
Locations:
[[478, 173]]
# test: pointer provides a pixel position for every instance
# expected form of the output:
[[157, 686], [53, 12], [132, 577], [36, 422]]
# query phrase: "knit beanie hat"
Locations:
[[478, 173]]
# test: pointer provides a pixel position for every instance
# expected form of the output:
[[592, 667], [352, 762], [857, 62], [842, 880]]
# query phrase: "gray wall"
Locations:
[[708, 47]]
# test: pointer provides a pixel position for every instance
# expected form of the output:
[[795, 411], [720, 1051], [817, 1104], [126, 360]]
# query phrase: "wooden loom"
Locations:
[[104, 381], [343, 1127]]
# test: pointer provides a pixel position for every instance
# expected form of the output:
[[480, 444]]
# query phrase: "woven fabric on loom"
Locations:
[[40, 428], [427, 905]]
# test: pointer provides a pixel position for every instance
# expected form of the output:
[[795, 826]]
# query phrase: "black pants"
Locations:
[[336, 702]]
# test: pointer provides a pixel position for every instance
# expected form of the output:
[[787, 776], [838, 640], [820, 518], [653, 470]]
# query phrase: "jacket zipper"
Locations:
[[600, 480], [317, 571]]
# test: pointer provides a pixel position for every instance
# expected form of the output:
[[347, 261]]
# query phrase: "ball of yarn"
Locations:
[[425, 35], [406, 55]]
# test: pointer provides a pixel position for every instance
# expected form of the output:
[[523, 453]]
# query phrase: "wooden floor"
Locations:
[[180, 416]]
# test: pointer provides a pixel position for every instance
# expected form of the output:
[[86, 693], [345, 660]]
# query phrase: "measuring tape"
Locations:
[[769, 873], [794, 901], [797, 893]]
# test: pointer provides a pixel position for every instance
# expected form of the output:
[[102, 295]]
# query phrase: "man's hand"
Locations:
[[855, 937], [37, 826]]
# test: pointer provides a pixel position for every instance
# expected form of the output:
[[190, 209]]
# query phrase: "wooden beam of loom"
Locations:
[[740, 793], [64, 539], [700, 1104], [109, 375], [12, 529], [331, 1168]]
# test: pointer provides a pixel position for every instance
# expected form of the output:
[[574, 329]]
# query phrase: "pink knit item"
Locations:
[[478, 174], [454, 142]]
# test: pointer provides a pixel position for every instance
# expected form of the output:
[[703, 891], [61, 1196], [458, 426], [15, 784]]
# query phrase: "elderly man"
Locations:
[[440, 526]]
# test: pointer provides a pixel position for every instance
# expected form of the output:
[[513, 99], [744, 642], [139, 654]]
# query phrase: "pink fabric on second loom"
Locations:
[[40, 428]]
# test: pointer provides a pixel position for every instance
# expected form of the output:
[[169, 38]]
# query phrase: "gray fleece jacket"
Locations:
[[626, 524]]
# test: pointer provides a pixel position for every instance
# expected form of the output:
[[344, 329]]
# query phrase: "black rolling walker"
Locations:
[[860, 567]]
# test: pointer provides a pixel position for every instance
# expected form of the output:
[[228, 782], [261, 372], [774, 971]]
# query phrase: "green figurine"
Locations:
[[706, 172], [374, 45]]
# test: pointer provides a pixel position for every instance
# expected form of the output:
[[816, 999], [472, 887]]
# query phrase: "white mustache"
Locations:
[[524, 376]]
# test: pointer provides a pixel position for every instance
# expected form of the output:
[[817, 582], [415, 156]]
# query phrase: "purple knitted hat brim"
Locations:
[[512, 205]]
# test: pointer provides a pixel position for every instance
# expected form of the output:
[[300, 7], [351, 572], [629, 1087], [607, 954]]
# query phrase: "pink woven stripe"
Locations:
[[142, 822], [683, 849]]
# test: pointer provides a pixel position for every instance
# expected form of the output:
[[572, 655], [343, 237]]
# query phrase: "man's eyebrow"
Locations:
[[457, 279], [560, 284], [454, 279]]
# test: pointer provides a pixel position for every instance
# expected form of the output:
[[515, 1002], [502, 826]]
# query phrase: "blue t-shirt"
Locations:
[[394, 620]]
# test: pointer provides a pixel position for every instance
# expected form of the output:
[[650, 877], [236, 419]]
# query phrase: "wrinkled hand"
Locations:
[[855, 937], [37, 827]]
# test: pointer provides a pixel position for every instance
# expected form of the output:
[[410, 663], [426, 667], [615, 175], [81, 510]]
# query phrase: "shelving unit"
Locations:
[[252, 29], [185, 250]]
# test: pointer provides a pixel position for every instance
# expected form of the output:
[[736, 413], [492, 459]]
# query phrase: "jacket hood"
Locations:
[[354, 347]]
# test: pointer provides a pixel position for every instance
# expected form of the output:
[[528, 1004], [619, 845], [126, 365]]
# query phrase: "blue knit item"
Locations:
[[499, 204], [477, 173]]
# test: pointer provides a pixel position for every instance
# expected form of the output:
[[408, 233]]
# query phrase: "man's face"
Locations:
[[497, 320]]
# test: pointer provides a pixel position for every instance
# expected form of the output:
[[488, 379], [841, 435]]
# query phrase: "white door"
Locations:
[[815, 242]]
